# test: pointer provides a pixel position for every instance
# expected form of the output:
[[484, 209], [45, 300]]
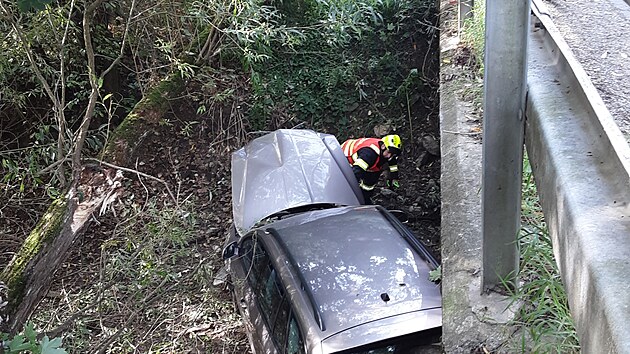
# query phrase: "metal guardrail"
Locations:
[[571, 69], [581, 164], [505, 73]]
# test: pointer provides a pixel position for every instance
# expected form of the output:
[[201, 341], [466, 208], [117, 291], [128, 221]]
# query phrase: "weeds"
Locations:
[[544, 318], [436, 274], [336, 73], [473, 36], [471, 55], [149, 291], [27, 342]]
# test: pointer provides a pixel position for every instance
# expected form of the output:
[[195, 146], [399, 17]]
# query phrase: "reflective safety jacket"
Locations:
[[351, 150], [367, 163]]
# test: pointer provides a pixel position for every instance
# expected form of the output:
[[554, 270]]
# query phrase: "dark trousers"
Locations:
[[369, 179]]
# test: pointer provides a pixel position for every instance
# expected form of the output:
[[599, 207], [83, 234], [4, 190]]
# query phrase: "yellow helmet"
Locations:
[[393, 143]]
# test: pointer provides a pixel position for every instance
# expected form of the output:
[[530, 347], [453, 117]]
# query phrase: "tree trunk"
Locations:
[[30, 272]]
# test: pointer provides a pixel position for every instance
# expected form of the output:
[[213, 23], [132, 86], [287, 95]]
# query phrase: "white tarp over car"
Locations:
[[289, 168]]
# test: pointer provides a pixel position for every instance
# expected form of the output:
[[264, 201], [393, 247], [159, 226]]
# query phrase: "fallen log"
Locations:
[[30, 273]]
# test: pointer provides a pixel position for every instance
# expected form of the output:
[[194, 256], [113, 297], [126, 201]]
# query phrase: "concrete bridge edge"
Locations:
[[472, 321]]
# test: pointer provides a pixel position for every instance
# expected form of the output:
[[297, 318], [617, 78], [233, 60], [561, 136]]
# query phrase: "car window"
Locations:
[[280, 319], [271, 297], [295, 345], [256, 263], [246, 249]]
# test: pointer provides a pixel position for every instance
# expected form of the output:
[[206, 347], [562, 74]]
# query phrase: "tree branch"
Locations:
[[137, 173], [89, 112], [122, 45], [57, 104], [94, 80]]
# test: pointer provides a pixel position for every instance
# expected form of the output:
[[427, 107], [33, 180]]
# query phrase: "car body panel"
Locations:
[[383, 329], [286, 169], [246, 302], [354, 259], [354, 275], [347, 270]]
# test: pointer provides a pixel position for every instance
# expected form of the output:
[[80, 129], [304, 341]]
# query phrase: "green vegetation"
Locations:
[[472, 55], [544, 318], [436, 274], [347, 68], [151, 282], [140, 279], [28, 343], [473, 36], [45, 88], [304, 58]]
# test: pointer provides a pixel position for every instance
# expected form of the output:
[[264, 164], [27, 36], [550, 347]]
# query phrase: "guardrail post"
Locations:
[[506, 34]]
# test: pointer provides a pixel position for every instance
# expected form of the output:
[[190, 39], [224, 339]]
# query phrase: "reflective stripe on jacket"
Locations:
[[352, 146]]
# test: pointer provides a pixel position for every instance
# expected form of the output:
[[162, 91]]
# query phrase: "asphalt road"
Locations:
[[598, 32]]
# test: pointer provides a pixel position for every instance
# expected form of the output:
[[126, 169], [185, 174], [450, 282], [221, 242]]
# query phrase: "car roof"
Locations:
[[289, 168], [352, 260]]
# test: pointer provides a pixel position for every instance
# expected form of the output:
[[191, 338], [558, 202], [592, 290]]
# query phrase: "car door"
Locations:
[[263, 301], [249, 270]]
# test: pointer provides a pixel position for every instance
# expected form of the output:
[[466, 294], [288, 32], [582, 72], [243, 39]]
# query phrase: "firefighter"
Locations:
[[369, 156]]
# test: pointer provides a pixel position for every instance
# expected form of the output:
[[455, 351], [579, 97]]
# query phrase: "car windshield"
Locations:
[[293, 211]]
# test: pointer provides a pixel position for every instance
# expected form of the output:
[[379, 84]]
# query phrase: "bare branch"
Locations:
[[137, 173], [94, 94], [52, 166], [58, 104], [89, 112], [122, 44]]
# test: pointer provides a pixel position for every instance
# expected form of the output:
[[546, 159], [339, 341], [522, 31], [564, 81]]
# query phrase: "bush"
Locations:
[[27, 342]]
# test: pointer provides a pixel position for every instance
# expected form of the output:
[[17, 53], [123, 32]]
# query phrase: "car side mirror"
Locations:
[[230, 250]]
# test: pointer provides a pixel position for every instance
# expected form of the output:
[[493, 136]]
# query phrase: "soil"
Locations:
[[197, 168], [190, 152]]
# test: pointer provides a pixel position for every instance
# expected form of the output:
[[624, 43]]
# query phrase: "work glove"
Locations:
[[392, 183]]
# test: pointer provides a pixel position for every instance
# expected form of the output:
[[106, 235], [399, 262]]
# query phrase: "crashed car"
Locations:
[[311, 269]]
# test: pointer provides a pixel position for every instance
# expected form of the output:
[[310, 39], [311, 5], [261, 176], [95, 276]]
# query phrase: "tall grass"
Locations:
[[473, 35], [545, 320]]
